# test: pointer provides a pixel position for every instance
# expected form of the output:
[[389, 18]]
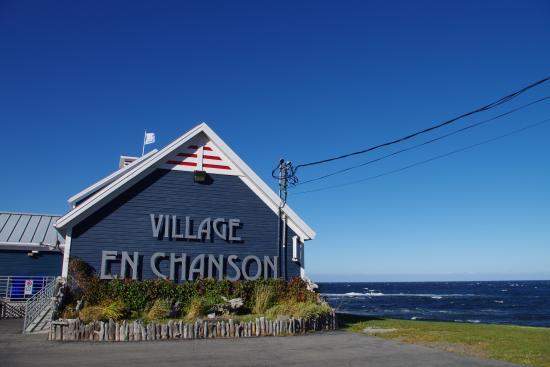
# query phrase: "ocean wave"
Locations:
[[352, 294], [379, 294]]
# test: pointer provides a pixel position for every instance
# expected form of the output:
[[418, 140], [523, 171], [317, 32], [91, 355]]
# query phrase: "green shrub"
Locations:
[[264, 296], [132, 292], [161, 309], [197, 309], [298, 309], [296, 290], [134, 315], [184, 293], [91, 313], [311, 309], [69, 313], [95, 291], [244, 289], [115, 310], [138, 297]]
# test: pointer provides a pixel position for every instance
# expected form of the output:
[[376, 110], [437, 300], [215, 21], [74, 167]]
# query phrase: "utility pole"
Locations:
[[283, 181], [284, 169]]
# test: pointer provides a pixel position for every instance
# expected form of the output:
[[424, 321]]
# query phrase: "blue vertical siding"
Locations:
[[124, 224], [17, 262]]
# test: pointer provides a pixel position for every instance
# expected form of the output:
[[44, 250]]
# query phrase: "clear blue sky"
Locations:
[[80, 82]]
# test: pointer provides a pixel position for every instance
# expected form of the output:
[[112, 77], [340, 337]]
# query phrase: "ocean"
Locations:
[[504, 302]]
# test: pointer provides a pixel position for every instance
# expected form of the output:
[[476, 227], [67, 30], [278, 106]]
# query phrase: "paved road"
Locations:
[[325, 349]]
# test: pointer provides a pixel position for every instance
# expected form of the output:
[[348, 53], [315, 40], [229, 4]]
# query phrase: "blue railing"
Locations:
[[21, 288]]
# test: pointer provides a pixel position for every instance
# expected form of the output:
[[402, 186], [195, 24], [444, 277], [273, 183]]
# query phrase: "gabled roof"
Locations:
[[29, 231], [158, 159], [90, 190]]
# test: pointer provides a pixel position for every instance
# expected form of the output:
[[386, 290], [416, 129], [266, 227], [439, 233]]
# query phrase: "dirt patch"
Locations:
[[372, 330]]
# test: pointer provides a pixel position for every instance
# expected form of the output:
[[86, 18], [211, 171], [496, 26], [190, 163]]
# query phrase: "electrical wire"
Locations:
[[425, 143], [489, 106], [427, 160]]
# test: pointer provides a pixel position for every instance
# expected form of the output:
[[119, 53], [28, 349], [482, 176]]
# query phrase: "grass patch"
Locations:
[[196, 309], [298, 309], [516, 344], [160, 310], [115, 310], [264, 296]]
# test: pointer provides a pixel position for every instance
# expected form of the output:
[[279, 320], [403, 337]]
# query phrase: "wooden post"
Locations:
[[101, 331]]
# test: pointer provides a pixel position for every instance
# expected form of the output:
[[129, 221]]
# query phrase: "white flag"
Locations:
[[149, 138]]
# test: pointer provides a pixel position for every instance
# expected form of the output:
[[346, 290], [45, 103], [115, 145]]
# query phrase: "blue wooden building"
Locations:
[[29, 245], [189, 210], [30, 251]]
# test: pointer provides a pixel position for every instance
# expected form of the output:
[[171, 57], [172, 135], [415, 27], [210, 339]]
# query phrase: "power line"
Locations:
[[425, 143], [427, 160], [491, 105]]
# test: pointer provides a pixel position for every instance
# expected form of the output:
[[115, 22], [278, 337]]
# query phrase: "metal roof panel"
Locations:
[[51, 234], [17, 232], [3, 219], [27, 229], [31, 228], [8, 227], [41, 230]]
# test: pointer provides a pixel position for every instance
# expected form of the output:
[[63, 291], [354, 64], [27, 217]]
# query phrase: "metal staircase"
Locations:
[[39, 309]]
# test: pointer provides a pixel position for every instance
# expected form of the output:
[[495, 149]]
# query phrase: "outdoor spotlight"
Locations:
[[199, 176]]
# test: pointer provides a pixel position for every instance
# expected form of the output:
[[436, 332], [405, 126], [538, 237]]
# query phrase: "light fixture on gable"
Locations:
[[199, 176]]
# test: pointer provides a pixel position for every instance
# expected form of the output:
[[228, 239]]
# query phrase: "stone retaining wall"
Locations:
[[76, 330]]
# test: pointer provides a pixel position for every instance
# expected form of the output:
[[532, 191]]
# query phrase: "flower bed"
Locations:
[[126, 310]]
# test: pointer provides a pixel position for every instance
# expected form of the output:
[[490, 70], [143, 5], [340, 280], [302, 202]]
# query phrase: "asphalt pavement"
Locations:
[[337, 348]]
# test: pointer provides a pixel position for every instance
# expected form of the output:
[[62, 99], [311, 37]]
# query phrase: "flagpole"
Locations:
[[143, 146]]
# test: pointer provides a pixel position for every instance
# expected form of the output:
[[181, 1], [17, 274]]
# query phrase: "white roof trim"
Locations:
[[107, 180], [24, 246], [133, 174]]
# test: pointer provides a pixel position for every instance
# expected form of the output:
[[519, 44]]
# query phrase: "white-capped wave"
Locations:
[[376, 294], [353, 294]]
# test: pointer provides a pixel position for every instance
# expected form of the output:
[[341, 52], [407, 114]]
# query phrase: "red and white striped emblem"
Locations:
[[202, 157]]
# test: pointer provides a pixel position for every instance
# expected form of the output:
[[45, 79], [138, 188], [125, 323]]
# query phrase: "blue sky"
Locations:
[[79, 83]]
